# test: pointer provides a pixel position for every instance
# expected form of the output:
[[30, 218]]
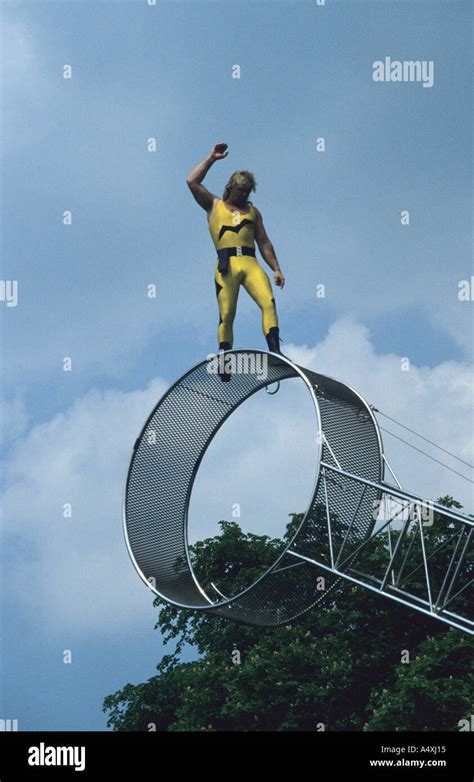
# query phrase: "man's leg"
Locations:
[[227, 292], [257, 284]]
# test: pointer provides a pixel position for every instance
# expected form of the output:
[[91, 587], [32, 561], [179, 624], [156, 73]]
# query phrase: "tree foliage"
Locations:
[[358, 663]]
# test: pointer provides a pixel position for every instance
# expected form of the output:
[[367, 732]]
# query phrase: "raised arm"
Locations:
[[194, 180]]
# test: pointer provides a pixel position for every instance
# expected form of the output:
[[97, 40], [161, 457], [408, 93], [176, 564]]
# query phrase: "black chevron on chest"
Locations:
[[234, 228]]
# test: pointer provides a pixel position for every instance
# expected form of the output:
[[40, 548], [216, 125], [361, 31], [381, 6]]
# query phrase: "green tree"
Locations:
[[337, 668], [433, 692]]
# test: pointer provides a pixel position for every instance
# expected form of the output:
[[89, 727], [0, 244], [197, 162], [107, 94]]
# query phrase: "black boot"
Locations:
[[224, 374], [273, 340]]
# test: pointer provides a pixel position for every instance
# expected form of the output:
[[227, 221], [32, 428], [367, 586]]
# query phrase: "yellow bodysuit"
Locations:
[[235, 233]]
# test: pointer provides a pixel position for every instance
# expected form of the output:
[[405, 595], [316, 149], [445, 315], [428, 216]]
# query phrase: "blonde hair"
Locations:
[[240, 179]]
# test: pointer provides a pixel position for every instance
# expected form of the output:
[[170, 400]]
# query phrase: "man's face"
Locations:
[[240, 194]]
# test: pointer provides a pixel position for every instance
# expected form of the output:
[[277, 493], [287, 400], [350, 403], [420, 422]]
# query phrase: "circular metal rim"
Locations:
[[374, 421], [376, 427], [235, 598]]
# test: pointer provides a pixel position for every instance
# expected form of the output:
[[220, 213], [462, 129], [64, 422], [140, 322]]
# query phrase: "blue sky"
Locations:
[[333, 217]]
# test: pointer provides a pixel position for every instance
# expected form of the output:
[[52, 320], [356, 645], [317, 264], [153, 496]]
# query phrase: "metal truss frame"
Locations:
[[409, 517]]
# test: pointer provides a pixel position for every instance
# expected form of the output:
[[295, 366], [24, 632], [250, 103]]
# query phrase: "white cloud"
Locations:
[[23, 83], [78, 572], [14, 418], [437, 402], [261, 460], [18, 51]]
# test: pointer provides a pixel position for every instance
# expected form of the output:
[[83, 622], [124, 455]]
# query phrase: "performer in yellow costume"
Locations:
[[235, 224]]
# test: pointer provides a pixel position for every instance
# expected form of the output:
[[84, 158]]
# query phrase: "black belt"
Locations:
[[226, 252]]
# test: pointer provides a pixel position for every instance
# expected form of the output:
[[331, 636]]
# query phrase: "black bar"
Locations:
[[352, 754]]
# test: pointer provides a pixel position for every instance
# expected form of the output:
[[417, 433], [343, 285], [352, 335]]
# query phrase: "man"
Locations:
[[235, 223]]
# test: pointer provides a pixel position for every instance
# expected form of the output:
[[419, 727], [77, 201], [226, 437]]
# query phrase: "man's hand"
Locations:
[[219, 152], [279, 279]]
